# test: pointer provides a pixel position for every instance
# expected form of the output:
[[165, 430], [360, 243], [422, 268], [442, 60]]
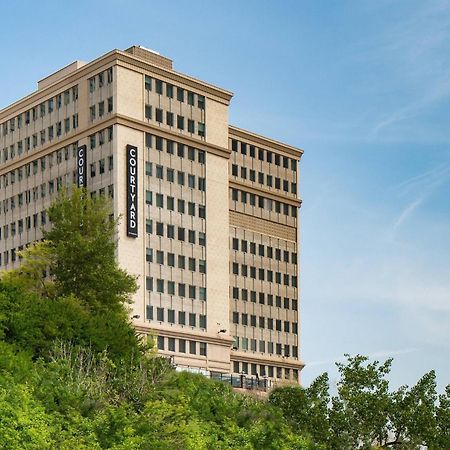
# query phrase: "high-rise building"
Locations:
[[210, 211]]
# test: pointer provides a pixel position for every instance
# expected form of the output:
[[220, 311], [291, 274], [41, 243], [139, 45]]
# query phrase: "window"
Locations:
[[171, 343], [192, 292], [110, 104], [169, 118], [148, 168], [171, 259], [201, 101], [159, 229], [201, 129], [182, 345], [169, 90], [158, 86], [160, 286], [159, 115], [148, 113], [149, 255], [148, 197], [180, 122], [148, 83], [181, 317], [203, 348], [192, 347], [192, 320], [180, 94], [191, 98], [191, 126], [159, 257], [92, 112], [149, 284], [160, 342], [171, 319]]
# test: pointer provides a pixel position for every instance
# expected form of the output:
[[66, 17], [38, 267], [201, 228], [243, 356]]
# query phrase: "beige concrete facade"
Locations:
[[216, 253]]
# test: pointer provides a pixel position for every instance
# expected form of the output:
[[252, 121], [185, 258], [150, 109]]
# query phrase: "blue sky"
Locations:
[[364, 88]]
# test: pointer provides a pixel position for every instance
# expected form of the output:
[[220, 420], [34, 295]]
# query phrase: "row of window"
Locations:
[[100, 109], [262, 321], [181, 123], [101, 164], [264, 179], [99, 80], [264, 275], [243, 294], [184, 346], [40, 138], [172, 288], [23, 224], [176, 317], [265, 371], [181, 176], [170, 203], [60, 155], [39, 111], [170, 232], [101, 137], [265, 347], [168, 145], [264, 250], [264, 155], [32, 195], [263, 202], [169, 258], [182, 95]]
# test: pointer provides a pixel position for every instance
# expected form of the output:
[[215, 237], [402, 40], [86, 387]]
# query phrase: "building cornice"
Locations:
[[168, 134], [122, 59], [259, 140], [184, 333], [266, 192], [115, 119], [279, 361]]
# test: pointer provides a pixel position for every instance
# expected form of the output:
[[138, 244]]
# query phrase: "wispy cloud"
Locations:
[[422, 186], [375, 355]]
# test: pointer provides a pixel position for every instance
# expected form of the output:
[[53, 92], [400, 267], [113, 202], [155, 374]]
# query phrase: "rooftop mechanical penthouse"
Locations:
[[210, 212]]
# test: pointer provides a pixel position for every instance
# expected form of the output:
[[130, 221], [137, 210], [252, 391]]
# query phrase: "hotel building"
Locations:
[[210, 212]]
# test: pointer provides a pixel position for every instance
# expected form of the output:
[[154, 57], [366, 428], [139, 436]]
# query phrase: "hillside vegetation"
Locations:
[[74, 375]]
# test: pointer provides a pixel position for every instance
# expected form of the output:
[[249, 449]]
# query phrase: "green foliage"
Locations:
[[365, 414], [73, 374], [82, 244]]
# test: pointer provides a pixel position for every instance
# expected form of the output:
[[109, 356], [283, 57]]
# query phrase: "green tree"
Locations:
[[82, 242]]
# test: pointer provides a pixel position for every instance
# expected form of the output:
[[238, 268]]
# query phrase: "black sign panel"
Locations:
[[132, 191], [82, 166]]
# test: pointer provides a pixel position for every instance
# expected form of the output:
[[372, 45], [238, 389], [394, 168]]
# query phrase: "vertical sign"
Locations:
[[132, 191], [82, 166]]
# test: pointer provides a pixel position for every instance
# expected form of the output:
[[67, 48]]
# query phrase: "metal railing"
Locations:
[[241, 381]]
